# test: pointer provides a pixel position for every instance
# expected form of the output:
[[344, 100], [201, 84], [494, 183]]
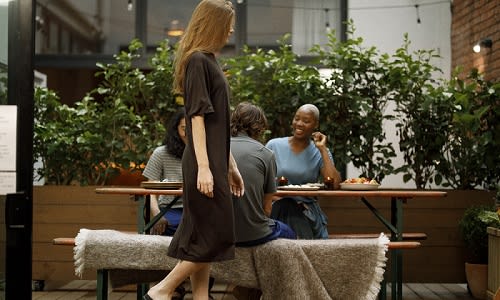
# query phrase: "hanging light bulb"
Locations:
[[418, 13], [130, 5], [327, 22]]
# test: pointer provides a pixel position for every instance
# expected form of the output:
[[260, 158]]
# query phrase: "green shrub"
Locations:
[[473, 229]]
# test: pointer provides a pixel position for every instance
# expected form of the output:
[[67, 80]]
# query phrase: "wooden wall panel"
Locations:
[[62, 211]]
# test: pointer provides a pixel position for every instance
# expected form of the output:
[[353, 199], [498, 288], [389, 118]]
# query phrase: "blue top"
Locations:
[[301, 168]]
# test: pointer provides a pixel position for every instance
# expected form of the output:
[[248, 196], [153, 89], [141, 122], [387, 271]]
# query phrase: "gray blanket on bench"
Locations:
[[282, 269]]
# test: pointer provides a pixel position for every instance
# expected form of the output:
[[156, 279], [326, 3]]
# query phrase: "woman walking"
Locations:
[[210, 174]]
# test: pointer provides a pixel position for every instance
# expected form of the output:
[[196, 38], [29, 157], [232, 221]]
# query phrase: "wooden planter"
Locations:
[[61, 211], [493, 261]]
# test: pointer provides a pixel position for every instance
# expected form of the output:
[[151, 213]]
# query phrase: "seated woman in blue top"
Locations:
[[303, 158]]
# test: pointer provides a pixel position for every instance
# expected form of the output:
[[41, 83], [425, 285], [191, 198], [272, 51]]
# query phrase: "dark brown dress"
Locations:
[[206, 231]]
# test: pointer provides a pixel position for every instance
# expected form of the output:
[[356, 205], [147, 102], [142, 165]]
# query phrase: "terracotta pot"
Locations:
[[477, 279]]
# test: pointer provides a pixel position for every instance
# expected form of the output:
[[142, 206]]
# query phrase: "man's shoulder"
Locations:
[[250, 144]]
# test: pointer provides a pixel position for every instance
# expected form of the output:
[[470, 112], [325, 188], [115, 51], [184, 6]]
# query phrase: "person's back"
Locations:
[[257, 166]]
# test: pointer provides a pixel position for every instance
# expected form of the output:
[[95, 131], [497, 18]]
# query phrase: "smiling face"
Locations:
[[304, 123]]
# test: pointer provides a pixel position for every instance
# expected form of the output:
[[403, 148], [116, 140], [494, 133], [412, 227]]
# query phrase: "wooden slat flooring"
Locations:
[[85, 289]]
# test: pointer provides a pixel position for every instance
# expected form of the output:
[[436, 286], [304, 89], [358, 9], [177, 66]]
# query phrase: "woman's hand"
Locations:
[[159, 227], [319, 139], [236, 183], [235, 180], [205, 182]]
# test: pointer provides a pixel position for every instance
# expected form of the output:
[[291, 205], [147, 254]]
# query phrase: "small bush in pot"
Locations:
[[473, 230]]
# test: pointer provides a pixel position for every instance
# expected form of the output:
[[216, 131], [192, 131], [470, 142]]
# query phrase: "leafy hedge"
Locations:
[[447, 130]]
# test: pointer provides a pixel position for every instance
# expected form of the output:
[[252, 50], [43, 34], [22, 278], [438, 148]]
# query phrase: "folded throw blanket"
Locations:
[[282, 269]]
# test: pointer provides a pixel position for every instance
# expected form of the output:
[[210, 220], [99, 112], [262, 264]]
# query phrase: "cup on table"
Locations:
[[282, 181], [328, 183]]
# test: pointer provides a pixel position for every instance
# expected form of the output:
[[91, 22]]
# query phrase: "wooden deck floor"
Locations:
[[85, 289]]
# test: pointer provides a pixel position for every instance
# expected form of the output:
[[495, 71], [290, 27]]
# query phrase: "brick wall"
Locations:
[[472, 21]]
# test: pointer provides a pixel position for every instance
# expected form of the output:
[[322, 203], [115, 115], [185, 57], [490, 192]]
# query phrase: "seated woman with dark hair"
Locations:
[[165, 165]]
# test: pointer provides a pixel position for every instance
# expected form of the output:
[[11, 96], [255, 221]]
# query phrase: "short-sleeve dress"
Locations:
[[206, 232]]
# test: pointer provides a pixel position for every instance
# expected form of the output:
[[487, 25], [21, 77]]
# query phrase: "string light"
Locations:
[[418, 13], [327, 23], [130, 5]]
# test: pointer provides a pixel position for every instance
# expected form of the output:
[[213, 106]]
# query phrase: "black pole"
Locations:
[[141, 22], [19, 206], [240, 34], [344, 8]]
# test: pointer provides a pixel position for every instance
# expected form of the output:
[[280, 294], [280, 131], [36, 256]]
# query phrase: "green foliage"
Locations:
[[354, 100], [473, 229], [473, 144], [148, 94], [448, 131], [274, 81], [114, 127], [422, 111]]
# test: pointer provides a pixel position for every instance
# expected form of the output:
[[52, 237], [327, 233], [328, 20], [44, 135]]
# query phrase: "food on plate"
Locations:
[[299, 185], [360, 180]]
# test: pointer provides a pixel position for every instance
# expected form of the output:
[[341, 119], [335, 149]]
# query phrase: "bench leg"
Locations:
[[102, 284], [382, 294], [142, 289]]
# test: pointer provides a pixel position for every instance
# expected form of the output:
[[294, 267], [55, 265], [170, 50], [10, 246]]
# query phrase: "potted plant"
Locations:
[[494, 253], [473, 228]]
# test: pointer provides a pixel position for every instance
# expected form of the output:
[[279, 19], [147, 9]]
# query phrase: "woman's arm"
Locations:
[[160, 226], [235, 180], [328, 169], [267, 203], [205, 180]]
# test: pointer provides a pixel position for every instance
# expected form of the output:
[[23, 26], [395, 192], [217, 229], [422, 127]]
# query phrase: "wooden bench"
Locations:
[[103, 277], [407, 236], [63, 241]]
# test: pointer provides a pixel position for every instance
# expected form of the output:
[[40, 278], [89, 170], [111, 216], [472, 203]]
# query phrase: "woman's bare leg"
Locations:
[[199, 283], [165, 288]]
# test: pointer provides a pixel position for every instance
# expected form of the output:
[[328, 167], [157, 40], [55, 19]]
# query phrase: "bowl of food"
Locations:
[[359, 184]]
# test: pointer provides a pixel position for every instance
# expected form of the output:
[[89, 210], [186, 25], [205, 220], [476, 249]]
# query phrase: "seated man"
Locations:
[[258, 169]]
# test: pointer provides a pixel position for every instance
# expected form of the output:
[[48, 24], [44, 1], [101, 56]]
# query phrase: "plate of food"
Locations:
[[299, 187], [359, 184], [162, 185]]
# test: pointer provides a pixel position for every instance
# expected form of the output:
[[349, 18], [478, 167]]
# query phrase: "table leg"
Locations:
[[397, 254], [142, 211], [102, 284]]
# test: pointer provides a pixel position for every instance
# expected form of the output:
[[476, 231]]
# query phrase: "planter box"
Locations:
[[493, 261], [61, 211]]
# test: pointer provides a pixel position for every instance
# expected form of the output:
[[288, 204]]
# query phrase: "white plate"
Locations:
[[298, 188], [359, 186]]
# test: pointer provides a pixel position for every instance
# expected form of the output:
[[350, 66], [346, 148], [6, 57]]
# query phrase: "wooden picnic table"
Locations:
[[397, 197]]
